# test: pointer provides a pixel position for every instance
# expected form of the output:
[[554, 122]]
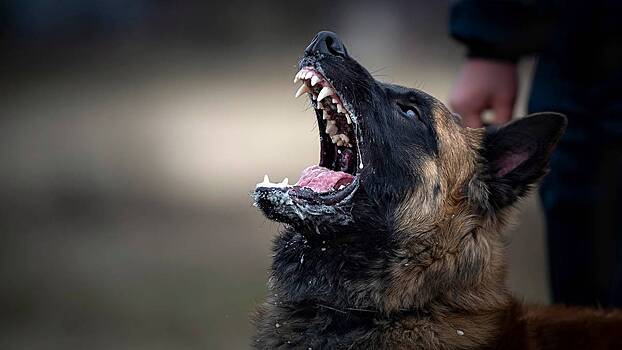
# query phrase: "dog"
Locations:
[[393, 241]]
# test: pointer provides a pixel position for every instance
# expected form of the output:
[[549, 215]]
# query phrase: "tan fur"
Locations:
[[442, 228], [447, 240], [413, 257]]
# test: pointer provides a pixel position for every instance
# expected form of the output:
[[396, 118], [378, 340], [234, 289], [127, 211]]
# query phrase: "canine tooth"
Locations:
[[303, 88], [348, 118], [285, 182], [326, 91], [325, 115], [308, 75], [314, 80], [335, 101], [266, 179]]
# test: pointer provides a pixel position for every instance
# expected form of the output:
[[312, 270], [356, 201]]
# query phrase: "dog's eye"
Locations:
[[410, 111]]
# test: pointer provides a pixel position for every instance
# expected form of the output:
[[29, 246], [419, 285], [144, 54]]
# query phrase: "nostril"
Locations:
[[327, 43], [335, 47]]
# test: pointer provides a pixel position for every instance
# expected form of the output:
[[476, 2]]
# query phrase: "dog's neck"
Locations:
[[323, 286], [316, 325]]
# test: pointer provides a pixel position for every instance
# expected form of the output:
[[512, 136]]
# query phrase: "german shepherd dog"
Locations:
[[394, 240]]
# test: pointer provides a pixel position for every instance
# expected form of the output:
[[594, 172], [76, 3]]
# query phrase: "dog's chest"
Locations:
[[322, 328]]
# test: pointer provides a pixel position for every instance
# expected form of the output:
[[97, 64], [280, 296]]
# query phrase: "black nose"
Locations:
[[327, 43]]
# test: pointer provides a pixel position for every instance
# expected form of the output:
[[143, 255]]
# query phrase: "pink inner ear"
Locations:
[[510, 161]]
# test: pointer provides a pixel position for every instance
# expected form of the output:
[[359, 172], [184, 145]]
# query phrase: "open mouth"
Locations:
[[334, 178]]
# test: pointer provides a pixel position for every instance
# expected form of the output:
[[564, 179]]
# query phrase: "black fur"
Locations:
[[333, 262], [535, 137], [327, 277]]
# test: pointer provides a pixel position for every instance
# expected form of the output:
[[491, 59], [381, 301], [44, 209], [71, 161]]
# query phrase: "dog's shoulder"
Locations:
[[564, 327]]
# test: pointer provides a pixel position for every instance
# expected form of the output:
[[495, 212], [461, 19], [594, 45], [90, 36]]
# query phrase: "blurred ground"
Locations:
[[126, 170]]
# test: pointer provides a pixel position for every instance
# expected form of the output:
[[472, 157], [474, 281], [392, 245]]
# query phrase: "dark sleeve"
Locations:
[[500, 29]]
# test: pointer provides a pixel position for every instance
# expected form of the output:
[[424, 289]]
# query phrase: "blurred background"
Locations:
[[131, 135]]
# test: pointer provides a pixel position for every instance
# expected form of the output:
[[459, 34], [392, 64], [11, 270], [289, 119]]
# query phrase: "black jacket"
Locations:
[[579, 44]]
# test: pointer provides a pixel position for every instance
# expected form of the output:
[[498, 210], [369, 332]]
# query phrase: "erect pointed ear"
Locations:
[[517, 154]]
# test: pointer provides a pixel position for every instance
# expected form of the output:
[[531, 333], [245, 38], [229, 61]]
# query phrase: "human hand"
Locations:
[[483, 85]]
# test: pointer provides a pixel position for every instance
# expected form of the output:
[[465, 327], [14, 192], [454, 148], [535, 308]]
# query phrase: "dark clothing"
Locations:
[[579, 73], [582, 198]]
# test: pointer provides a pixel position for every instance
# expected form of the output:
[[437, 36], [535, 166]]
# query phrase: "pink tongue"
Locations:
[[321, 179]]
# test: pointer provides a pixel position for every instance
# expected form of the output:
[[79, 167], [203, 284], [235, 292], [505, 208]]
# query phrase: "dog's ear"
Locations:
[[516, 156]]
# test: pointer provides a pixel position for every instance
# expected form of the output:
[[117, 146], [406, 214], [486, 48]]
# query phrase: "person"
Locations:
[[578, 73]]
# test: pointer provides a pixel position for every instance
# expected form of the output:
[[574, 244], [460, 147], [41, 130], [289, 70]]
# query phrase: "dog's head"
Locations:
[[406, 204]]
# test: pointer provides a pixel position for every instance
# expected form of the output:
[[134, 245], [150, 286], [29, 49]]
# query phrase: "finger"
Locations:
[[502, 111], [471, 117], [472, 120]]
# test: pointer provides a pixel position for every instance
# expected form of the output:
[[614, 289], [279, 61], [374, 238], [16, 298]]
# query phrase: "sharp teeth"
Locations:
[[331, 127], [335, 101], [301, 74], [340, 139], [348, 118], [325, 115], [304, 88], [325, 92], [264, 183], [308, 75], [297, 77], [340, 108], [267, 184], [314, 80]]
